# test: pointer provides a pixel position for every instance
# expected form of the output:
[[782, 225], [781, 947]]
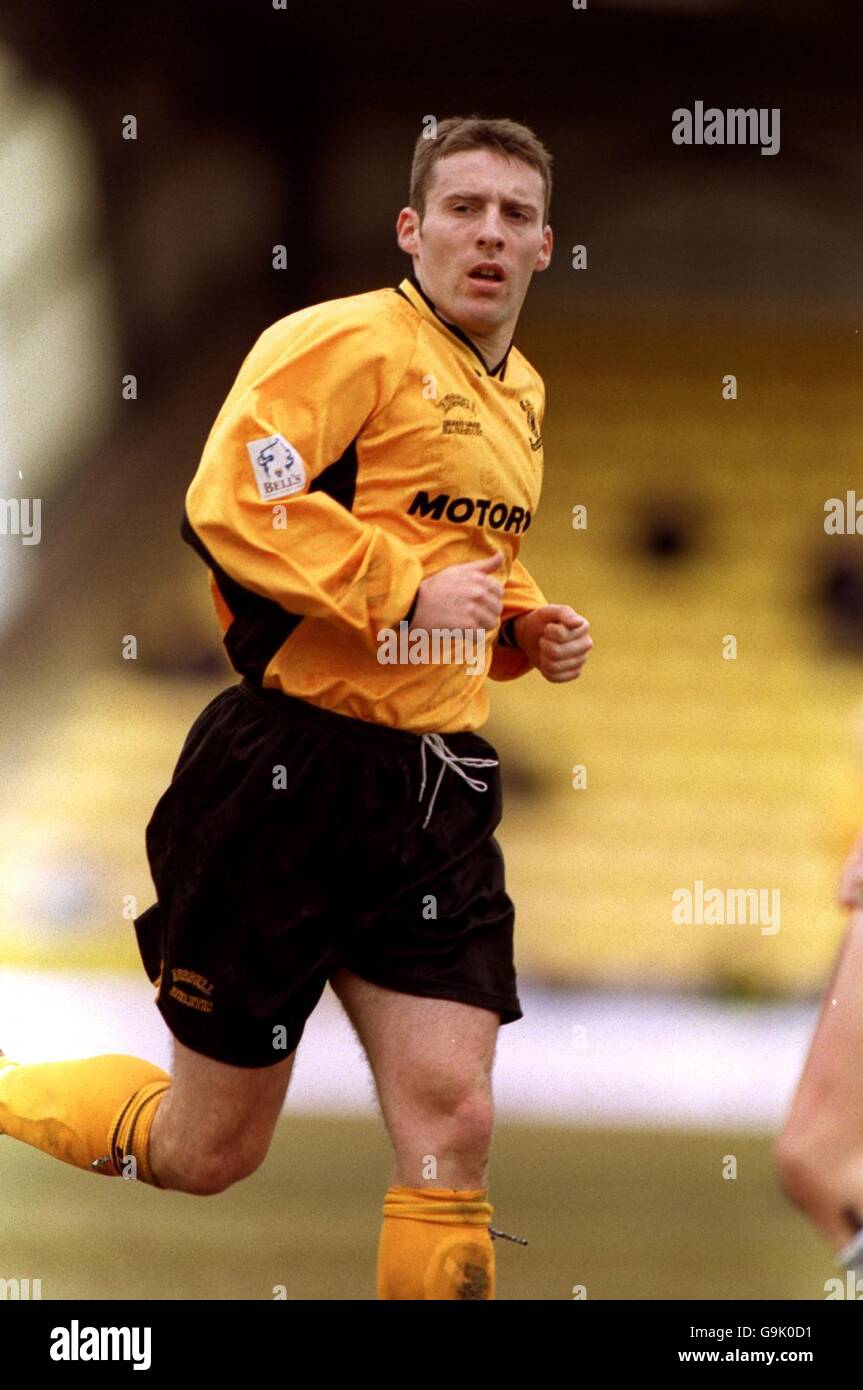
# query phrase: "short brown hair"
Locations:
[[458, 133]]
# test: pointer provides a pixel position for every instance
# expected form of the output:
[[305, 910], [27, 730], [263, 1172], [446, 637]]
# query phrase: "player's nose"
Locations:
[[491, 233]]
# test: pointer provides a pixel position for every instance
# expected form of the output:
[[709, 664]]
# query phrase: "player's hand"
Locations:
[[461, 596], [555, 640], [851, 878]]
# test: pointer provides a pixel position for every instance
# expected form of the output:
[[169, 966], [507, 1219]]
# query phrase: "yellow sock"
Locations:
[[85, 1111], [435, 1243]]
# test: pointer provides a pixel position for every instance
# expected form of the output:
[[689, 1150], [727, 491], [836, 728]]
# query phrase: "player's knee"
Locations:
[[462, 1114], [473, 1126], [206, 1171]]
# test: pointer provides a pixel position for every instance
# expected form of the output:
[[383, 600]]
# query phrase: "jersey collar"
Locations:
[[411, 290]]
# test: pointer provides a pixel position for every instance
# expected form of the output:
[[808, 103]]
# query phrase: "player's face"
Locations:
[[481, 239]]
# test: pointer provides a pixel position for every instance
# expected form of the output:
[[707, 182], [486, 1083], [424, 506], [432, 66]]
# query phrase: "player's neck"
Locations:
[[492, 347]]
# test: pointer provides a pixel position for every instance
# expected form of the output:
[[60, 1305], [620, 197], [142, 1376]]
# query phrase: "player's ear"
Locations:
[[407, 230], [544, 257]]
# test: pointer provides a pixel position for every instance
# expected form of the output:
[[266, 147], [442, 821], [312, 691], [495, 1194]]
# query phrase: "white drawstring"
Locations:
[[449, 759]]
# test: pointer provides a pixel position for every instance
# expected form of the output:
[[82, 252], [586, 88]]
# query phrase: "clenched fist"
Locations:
[[461, 596], [555, 640]]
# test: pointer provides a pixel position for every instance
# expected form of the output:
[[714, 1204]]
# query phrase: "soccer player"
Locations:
[[371, 476], [819, 1153]]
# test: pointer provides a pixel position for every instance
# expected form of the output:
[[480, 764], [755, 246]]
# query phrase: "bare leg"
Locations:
[[215, 1124], [432, 1061], [820, 1150]]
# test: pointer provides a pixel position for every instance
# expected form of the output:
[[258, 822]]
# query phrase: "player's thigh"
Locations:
[[428, 1056], [211, 1104], [829, 1098]]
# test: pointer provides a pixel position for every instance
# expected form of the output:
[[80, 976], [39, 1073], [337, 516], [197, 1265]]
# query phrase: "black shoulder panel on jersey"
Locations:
[[261, 626]]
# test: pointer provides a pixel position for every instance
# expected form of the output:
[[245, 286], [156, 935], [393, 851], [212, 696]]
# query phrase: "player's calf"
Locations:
[[199, 1131], [94, 1113]]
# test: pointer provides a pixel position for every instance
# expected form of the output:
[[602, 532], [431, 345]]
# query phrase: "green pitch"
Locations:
[[627, 1214]]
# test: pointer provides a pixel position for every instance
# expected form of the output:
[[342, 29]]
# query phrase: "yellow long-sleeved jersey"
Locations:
[[364, 446]]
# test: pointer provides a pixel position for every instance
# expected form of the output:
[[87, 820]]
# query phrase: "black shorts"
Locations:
[[290, 842]]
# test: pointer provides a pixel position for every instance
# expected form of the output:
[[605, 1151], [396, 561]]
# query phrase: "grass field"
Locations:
[[630, 1215]]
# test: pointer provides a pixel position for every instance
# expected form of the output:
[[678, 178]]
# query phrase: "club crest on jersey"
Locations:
[[453, 401], [535, 436], [279, 469]]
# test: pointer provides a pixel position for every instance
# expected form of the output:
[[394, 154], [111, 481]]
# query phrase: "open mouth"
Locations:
[[487, 274]]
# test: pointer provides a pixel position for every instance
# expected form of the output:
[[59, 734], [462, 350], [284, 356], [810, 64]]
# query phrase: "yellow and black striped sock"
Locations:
[[95, 1113]]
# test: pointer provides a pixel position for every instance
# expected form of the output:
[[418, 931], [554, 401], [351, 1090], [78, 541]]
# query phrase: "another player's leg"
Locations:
[[819, 1153], [197, 1131], [432, 1062]]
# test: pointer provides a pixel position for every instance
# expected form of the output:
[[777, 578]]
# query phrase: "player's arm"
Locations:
[[270, 502], [521, 595], [552, 638]]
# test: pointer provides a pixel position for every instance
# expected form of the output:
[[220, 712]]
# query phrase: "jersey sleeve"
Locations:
[[521, 595], [270, 503]]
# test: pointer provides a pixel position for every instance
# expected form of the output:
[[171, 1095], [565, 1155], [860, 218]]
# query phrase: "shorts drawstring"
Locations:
[[449, 759]]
